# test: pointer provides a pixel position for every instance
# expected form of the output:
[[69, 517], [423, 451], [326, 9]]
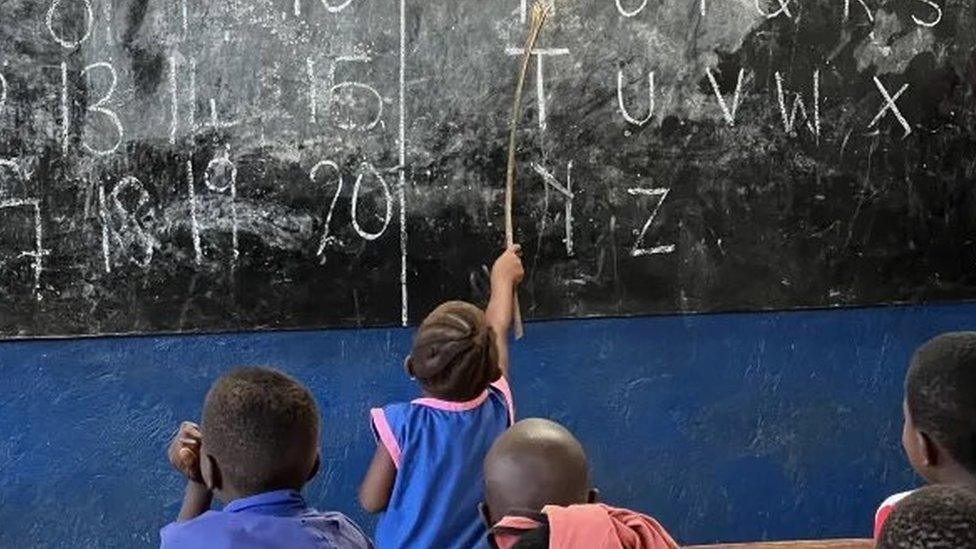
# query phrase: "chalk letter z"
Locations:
[[639, 250]]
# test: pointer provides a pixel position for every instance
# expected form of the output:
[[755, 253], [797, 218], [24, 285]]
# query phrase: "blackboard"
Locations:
[[253, 164]]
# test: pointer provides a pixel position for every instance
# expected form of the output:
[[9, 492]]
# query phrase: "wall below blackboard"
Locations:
[[777, 425]]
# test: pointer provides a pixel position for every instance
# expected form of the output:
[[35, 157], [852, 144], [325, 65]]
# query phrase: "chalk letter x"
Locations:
[[890, 105]]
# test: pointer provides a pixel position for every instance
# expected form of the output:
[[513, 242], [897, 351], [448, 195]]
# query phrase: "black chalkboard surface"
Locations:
[[251, 164]]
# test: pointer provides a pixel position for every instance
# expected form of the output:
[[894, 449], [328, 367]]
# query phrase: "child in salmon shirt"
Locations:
[[538, 494], [426, 473]]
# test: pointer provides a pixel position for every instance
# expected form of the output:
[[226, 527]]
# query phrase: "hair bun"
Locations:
[[453, 351]]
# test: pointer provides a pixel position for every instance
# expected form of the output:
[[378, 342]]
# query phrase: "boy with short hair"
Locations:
[[535, 463], [939, 432], [537, 485], [935, 516], [256, 448]]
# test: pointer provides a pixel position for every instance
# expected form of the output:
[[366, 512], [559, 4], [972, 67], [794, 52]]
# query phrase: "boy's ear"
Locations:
[[210, 471], [929, 450], [315, 466], [408, 366], [594, 496], [485, 515]]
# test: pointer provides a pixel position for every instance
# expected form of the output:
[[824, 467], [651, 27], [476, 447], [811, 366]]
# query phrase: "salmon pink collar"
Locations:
[[450, 406]]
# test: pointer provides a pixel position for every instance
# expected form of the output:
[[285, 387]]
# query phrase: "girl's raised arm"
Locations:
[[506, 274]]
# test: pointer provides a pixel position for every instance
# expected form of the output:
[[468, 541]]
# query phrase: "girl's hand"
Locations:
[[508, 269], [184, 451]]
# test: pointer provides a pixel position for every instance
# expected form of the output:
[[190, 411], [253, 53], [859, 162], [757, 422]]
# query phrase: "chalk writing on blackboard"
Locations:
[[64, 41], [812, 121], [891, 106], [623, 107], [313, 176], [640, 248], [727, 110], [936, 15], [784, 9], [260, 155], [540, 78], [99, 108], [33, 205], [367, 169], [631, 12], [223, 166], [567, 192], [3, 92], [864, 6]]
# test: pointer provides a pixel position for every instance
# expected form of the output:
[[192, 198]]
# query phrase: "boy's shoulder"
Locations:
[[218, 529], [336, 528], [886, 508], [195, 532]]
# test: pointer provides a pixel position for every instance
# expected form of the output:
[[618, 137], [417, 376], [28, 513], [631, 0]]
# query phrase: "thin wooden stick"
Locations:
[[539, 14]]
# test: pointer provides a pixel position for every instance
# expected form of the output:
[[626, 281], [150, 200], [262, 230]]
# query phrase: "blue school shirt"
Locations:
[[264, 521], [439, 448]]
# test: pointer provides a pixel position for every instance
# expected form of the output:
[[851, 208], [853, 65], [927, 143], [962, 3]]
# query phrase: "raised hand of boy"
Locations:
[[506, 274], [184, 456], [184, 451]]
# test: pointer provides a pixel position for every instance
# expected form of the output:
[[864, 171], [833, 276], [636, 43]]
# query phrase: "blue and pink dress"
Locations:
[[439, 447]]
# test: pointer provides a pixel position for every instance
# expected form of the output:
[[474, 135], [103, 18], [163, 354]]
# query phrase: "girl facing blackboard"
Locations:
[[426, 474]]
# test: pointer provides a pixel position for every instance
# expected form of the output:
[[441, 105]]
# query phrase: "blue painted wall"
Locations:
[[731, 427]]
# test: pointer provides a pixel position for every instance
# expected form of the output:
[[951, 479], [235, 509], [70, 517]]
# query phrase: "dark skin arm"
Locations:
[[184, 456], [196, 501], [506, 274], [377, 485]]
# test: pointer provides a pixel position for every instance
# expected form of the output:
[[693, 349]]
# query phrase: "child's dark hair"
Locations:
[[454, 355], [935, 516], [262, 426], [941, 391]]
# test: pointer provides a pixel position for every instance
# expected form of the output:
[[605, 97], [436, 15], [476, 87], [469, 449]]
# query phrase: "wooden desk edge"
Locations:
[[805, 544]]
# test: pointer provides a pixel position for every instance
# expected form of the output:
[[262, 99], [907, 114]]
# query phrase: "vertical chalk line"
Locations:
[[540, 94], [39, 251], [103, 214], [312, 95], [107, 10], [401, 188], [3, 91], [816, 103], [174, 100], [192, 112], [64, 108], [185, 19], [194, 223]]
